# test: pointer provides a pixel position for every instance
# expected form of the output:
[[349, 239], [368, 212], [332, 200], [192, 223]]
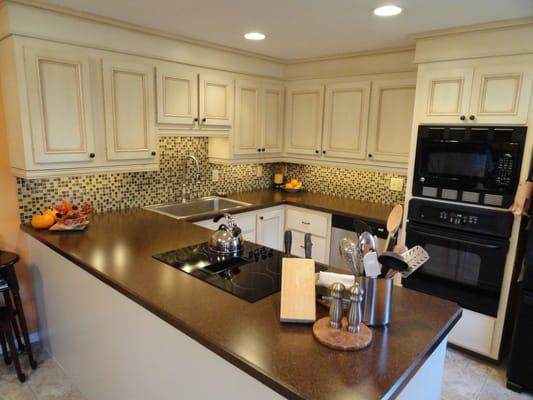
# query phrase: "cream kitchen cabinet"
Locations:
[[258, 117], [391, 119], [346, 120], [270, 222], [129, 109], [476, 94], [190, 99], [304, 117], [59, 99]]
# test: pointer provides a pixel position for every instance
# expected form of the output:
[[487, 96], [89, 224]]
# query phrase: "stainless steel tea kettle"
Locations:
[[228, 238]]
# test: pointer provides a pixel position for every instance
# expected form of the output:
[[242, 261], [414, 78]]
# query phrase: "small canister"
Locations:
[[376, 300]]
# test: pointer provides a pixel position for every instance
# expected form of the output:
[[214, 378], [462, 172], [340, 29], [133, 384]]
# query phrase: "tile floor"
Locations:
[[465, 378]]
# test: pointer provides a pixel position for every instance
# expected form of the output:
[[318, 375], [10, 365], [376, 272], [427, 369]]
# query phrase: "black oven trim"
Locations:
[[469, 134]]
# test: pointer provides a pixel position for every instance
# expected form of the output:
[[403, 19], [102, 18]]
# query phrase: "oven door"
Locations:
[[465, 268]]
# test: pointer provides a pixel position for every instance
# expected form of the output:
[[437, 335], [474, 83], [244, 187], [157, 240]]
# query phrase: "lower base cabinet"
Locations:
[[269, 228]]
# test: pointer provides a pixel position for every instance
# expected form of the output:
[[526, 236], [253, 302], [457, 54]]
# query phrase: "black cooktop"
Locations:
[[252, 274]]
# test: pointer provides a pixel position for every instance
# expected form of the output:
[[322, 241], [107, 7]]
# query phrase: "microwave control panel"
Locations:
[[457, 218]]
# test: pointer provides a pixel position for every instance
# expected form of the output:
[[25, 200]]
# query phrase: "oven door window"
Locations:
[[455, 264]]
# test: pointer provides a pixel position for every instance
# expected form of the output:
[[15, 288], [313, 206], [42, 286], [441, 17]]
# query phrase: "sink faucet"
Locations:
[[184, 175]]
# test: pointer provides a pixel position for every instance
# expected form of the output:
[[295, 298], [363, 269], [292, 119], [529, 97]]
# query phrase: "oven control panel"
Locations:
[[462, 218]]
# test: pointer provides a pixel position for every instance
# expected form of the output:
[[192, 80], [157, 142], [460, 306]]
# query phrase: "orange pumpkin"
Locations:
[[42, 221]]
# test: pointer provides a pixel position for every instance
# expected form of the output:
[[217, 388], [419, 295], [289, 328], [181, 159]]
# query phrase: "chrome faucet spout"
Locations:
[[184, 175]]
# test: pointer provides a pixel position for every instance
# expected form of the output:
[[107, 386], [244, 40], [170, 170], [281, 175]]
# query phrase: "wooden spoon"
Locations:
[[393, 223]]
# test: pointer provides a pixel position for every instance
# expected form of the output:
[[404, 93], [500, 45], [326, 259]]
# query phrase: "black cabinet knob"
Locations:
[[323, 151], [258, 150], [316, 151], [263, 149], [462, 117], [204, 119], [196, 120], [154, 153], [92, 155], [261, 217], [370, 156], [472, 117]]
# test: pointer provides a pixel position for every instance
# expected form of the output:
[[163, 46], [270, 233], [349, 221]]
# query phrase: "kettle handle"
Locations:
[[228, 217], [218, 218]]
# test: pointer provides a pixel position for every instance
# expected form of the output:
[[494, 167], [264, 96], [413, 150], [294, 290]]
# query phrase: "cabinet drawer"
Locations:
[[318, 251], [307, 221]]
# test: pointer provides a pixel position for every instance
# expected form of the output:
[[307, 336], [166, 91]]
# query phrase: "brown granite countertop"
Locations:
[[284, 357], [373, 212]]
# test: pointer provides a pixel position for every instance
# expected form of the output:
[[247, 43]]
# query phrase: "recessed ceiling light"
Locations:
[[254, 36], [387, 11]]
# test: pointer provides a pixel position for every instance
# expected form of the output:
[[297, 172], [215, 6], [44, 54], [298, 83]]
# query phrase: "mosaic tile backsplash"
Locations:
[[136, 189]]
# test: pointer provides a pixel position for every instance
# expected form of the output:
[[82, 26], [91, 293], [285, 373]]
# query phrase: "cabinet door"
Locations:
[[129, 110], [272, 131], [346, 120], [59, 96], [247, 139], [177, 96], [500, 94], [270, 228], [216, 101], [446, 95], [391, 119], [304, 111]]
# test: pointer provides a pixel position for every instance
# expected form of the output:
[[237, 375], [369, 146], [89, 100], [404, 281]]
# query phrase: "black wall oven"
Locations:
[[468, 249], [473, 164]]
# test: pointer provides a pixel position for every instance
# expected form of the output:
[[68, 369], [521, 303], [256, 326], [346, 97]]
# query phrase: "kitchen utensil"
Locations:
[[415, 258], [298, 297], [228, 238], [376, 300], [393, 224], [308, 245], [371, 264], [329, 278], [287, 239], [366, 243], [392, 262], [348, 252], [354, 315], [341, 339]]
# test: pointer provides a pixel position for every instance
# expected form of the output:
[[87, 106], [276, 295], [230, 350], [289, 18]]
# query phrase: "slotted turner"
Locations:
[[415, 257]]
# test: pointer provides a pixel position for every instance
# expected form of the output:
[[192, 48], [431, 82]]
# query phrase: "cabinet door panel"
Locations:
[[346, 119], [59, 94], [272, 118], [304, 119], [129, 110], [391, 119], [216, 101], [270, 228], [446, 94], [501, 94], [177, 96], [247, 117]]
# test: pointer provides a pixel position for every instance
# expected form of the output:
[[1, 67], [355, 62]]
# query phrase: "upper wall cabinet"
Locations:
[[129, 109], [59, 99], [272, 118], [391, 119], [303, 125], [177, 96], [346, 120], [193, 100], [484, 94]]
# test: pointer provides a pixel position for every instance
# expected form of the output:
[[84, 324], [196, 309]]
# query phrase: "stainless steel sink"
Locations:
[[196, 206]]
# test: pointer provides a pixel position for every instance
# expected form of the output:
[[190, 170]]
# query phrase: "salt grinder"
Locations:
[[354, 315], [335, 311]]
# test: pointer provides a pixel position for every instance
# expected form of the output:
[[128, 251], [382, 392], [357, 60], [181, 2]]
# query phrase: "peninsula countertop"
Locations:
[[117, 248]]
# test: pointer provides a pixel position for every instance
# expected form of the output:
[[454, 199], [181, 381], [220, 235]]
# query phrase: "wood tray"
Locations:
[[341, 339]]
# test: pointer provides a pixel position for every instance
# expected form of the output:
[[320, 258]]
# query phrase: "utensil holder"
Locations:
[[376, 300]]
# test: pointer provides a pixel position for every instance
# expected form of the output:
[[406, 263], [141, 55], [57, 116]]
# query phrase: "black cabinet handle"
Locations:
[[316, 151], [92, 155], [154, 153], [370, 156], [472, 117], [462, 117]]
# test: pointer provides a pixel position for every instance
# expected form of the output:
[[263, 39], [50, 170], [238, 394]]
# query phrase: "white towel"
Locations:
[[329, 278]]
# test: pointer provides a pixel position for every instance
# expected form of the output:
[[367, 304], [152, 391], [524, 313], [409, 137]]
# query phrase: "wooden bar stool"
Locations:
[[14, 304], [7, 340]]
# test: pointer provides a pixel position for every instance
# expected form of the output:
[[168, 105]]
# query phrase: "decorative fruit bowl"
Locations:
[[63, 217], [293, 186]]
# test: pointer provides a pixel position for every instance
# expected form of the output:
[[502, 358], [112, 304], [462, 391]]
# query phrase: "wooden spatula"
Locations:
[[393, 223]]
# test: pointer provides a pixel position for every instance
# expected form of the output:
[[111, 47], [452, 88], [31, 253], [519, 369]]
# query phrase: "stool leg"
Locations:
[[8, 303], [14, 355], [3, 345]]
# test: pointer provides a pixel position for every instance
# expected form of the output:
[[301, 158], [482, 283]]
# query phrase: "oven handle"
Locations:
[[461, 237]]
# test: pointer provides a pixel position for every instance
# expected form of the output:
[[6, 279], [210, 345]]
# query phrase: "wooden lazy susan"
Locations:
[[341, 339]]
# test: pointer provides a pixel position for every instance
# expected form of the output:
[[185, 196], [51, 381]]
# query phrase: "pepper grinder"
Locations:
[[335, 310], [354, 315]]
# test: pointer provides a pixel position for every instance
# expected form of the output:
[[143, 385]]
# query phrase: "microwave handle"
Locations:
[[484, 245]]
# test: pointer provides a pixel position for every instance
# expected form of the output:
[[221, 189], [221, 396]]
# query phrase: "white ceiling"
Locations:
[[302, 28]]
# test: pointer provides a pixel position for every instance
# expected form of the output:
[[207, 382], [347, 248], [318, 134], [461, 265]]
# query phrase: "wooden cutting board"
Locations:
[[298, 302]]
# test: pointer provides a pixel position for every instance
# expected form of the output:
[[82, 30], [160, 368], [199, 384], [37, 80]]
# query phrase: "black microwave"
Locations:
[[473, 164]]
